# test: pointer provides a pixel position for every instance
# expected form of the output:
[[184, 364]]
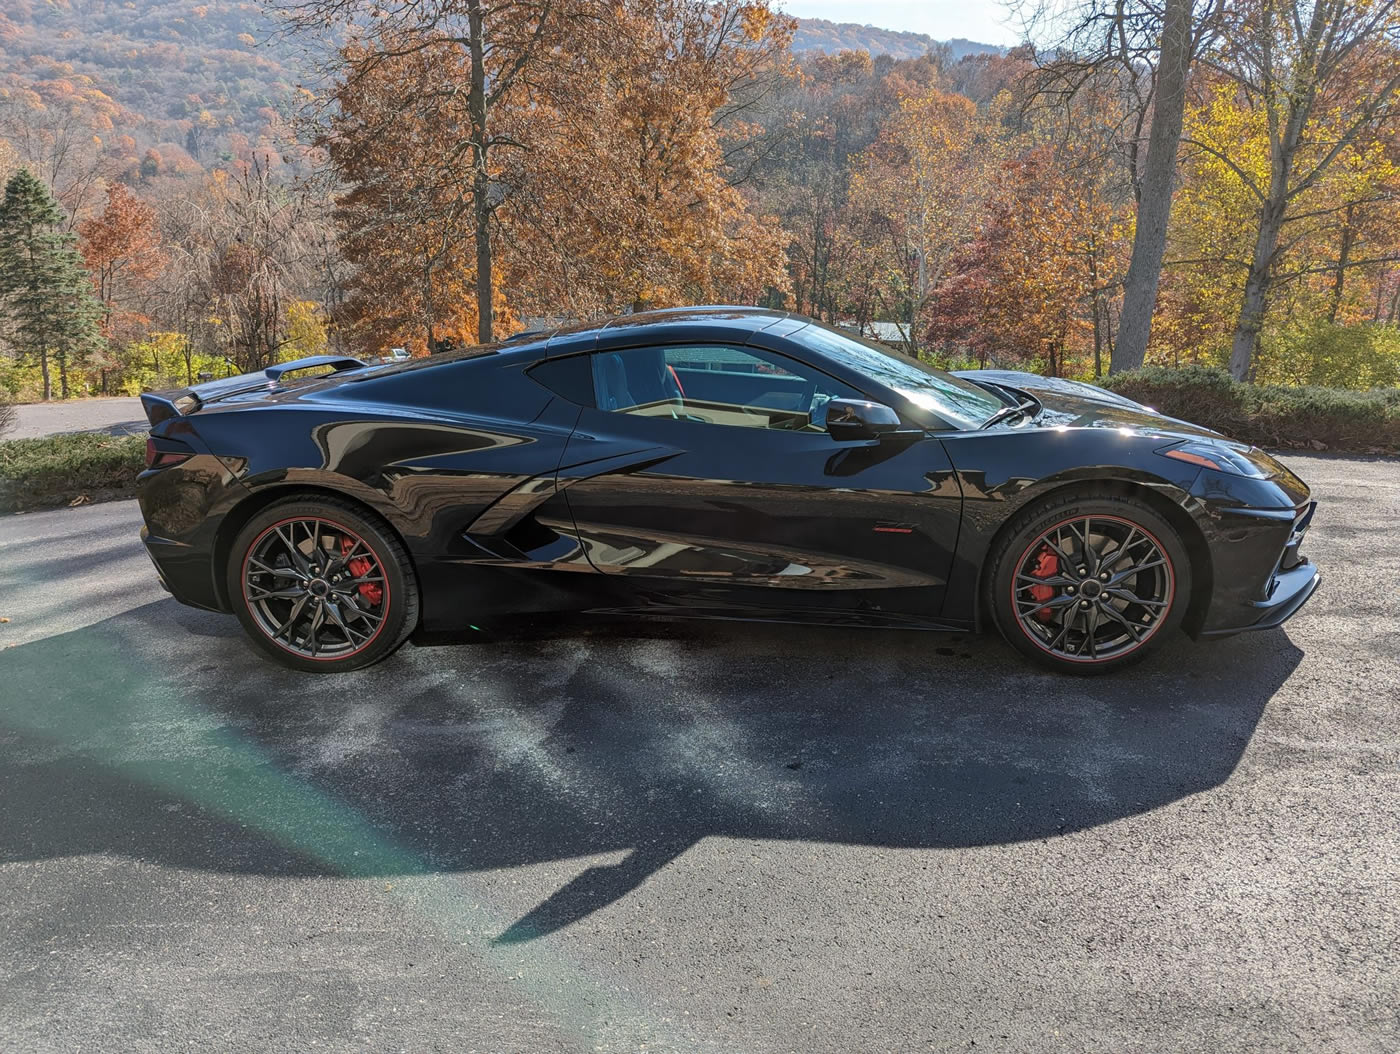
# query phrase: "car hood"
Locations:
[[1073, 404]]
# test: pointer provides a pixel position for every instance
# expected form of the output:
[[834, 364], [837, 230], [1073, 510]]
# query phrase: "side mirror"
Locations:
[[859, 419]]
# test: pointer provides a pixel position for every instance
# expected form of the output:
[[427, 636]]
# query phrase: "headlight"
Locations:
[[1221, 458]]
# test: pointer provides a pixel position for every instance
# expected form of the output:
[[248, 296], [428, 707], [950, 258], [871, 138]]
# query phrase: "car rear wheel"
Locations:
[[1088, 585], [322, 585]]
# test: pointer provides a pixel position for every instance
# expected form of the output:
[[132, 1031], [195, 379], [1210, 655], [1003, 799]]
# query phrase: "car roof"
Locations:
[[683, 325], [720, 322]]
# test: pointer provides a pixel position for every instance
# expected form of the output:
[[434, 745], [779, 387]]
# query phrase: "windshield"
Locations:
[[961, 403]]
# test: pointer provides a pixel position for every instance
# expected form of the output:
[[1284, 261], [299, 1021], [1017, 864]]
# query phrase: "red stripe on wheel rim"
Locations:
[[384, 606], [1156, 625]]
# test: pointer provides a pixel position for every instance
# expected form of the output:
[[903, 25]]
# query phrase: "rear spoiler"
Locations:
[[180, 402], [335, 362]]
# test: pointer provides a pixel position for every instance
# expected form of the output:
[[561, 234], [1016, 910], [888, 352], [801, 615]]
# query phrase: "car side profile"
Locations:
[[714, 462]]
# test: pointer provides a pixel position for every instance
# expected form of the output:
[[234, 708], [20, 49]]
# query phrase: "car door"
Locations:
[[706, 475]]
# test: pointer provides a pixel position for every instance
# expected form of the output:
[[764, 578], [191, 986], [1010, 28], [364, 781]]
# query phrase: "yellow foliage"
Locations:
[[1225, 166], [306, 331]]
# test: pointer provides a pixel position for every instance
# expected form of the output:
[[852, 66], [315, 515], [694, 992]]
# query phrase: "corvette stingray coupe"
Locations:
[[711, 462]]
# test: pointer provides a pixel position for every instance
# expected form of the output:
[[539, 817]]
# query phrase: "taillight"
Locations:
[[165, 452]]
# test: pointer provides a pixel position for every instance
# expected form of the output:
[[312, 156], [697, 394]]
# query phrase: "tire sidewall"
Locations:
[[1031, 524], [402, 592]]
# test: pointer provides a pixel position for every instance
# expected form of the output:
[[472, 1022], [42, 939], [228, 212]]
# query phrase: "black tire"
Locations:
[[358, 594], [1040, 596]]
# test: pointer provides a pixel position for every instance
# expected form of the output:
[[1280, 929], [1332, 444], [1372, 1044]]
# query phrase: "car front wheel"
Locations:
[[1089, 585], [322, 585]]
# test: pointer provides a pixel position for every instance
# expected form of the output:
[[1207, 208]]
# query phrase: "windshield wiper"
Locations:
[[1025, 406]]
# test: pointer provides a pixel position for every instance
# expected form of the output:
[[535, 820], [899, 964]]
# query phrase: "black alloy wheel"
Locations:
[[322, 585], [1086, 586]]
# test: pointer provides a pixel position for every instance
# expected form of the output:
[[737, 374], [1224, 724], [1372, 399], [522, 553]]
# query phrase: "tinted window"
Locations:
[[568, 377], [961, 403], [718, 385]]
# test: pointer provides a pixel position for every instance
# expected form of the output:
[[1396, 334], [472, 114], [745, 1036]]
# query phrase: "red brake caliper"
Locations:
[[1047, 565], [372, 591]]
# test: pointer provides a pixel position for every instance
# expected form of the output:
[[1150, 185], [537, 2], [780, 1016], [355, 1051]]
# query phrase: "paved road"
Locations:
[[113, 416], [695, 838]]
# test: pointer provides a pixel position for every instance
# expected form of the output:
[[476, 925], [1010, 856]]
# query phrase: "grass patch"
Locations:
[[1270, 415], [68, 469]]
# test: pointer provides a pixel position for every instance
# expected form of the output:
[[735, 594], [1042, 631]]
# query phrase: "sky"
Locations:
[[985, 21]]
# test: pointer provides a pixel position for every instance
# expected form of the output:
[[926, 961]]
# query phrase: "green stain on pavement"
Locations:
[[98, 693]]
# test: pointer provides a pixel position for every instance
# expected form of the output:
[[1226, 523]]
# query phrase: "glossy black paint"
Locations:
[[860, 419], [512, 492]]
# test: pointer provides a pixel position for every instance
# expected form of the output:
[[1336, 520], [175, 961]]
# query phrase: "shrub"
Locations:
[[62, 469], [8, 414], [1358, 357], [160, 361], [1269, 415]]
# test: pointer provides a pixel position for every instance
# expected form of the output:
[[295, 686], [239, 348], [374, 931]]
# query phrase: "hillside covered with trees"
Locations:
[[446, 170], [832, 38]]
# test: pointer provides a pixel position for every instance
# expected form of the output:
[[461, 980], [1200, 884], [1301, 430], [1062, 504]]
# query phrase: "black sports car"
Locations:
[[710, 462]]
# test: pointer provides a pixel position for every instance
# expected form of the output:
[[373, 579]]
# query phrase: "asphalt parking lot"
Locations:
[[695, 837], [117, 416]]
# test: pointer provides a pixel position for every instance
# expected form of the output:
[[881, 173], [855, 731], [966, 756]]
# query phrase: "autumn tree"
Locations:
[[1150, 48], [610, 183], [927, 178], [475, 57], [121, 248], [56, 128], [9, 159], [1334, 243], [833, 111], [1324, 75], [631, 204], [43, 285], [406, 216], [1094, 163], [243, 251], [1023, 289]]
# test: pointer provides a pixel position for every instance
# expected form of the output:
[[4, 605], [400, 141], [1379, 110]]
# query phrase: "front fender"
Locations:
[[1003, 472]]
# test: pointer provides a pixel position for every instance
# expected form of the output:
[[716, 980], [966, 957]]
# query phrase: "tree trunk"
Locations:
[[915, 302], [1096, 303], [1098, 342], [1159, 173], [1256, 288], [44, 371], [1343, 259], [481, 184]]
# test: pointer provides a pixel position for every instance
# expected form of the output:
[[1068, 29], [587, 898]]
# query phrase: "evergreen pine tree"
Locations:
[[44, 287]]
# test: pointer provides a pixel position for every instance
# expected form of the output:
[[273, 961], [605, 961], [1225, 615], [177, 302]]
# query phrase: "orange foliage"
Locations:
[[1020, 289], [636, 208], [121, 248], [405, 220]]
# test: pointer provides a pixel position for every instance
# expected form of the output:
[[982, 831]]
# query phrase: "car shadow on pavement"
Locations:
[[160, 735]]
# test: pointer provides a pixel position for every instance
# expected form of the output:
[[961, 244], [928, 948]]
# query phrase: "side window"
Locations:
[[569, 377], [718, 385]]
